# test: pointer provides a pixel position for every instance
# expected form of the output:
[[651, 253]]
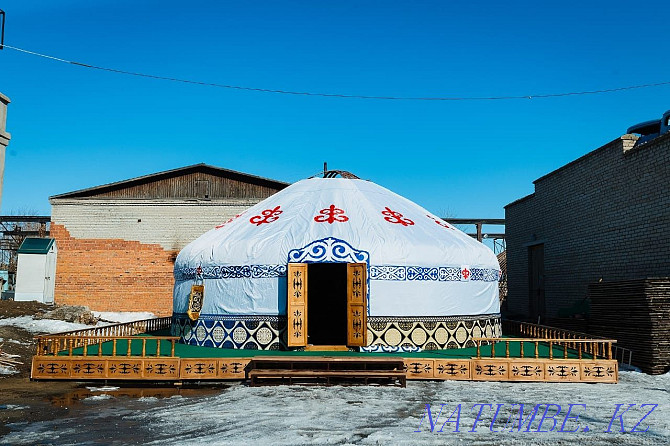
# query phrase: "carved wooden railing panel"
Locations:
[[537, 331], [48, 344], [594, 348], [121, 346]]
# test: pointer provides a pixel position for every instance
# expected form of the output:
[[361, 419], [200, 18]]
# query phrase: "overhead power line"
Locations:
[[339, 95]]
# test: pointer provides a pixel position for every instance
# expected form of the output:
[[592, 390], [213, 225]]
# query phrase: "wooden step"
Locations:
[[326, 370], [326, 363], [328, 377]]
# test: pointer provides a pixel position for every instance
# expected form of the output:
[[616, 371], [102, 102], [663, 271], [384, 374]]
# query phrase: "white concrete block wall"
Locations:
[[170, 223]]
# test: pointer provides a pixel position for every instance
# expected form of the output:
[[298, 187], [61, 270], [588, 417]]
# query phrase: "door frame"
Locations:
[[297, 299]]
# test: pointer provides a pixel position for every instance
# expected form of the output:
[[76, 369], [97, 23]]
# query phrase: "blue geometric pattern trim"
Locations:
[[388, 334], [233, 272], [389, 349], [331, 250], [328, 250], [377, 272], [431, 273], [486, 275], [236, 332]]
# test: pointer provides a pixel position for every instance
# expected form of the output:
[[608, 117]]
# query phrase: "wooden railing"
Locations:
[[537, 331], [67, 344], [95, 335], [594, 348], [123, 328]]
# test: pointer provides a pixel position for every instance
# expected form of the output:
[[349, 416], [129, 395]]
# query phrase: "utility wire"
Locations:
[[337, 95]]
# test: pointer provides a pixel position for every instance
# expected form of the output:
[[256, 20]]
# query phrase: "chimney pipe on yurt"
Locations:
[[337, 261]]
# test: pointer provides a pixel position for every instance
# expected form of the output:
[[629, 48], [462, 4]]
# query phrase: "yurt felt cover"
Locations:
[[418, 265]]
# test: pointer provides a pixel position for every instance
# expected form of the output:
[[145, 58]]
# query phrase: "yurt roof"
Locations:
[[417, 263], [367, 216]]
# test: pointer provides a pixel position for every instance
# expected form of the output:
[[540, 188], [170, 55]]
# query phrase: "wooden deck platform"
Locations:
[[127, 353]]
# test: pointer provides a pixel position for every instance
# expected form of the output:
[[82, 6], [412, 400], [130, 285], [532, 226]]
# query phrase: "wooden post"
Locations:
[[493, 349], [609, 350], [128, 343], [507, 349], [69, 346], [521, 347], [144, 347], [565, 350], [537, 350], [172, 350], [478, 352], [579, 346], [85, 346], [158, 347], [551, 350], [114, 346]]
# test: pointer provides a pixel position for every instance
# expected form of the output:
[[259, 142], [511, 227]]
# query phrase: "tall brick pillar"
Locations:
[[4, 138]]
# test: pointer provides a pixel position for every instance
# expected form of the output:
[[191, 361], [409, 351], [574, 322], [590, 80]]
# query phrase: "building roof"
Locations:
[[519, 200], [154, 177], [34, 245]]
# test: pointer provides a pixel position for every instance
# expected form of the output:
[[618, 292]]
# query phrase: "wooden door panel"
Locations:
[[296, 308], [357, 315]]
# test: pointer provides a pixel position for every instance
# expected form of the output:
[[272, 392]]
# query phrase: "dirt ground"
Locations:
[[22, 400]]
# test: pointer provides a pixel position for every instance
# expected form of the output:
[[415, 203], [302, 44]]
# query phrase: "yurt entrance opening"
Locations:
[[327, 304]]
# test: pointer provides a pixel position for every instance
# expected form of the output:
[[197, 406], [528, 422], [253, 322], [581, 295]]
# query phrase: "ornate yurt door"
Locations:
[[327, 304]]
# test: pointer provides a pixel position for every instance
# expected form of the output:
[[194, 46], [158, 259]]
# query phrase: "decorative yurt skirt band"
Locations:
[[384, 333]]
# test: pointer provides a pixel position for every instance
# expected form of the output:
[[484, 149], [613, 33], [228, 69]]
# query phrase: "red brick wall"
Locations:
[[113, 274]]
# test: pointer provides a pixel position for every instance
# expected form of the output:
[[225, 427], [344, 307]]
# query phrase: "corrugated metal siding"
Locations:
[[194, 185]]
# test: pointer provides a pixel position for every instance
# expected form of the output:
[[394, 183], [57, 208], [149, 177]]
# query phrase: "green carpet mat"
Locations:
[[192, 351]]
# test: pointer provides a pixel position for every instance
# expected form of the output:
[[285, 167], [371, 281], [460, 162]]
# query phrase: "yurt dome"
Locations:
[[336, 261]]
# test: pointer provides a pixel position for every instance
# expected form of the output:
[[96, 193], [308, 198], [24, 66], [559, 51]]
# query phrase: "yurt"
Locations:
[[335, 261]]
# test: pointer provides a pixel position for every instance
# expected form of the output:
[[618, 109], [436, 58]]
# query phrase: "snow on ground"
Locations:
[[290, 415], [7, 370], [13, 341], [103, 389], [12, 407], [123, 317], [42, 325], [55, 326]]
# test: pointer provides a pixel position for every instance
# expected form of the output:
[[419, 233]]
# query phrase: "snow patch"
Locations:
[[14, 341], [12, 407], [51, 326], [41, 325], [103, 389], [7, 370], [104, 396], [123, 316]]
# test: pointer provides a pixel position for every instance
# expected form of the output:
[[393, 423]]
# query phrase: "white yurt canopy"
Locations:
[[418, 265]]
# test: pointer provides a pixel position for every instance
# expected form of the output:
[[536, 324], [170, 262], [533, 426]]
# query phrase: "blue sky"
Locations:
[[74, 127]]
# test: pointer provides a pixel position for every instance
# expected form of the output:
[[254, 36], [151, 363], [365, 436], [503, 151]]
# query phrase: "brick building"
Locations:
[[600, 220], [117, 242]]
